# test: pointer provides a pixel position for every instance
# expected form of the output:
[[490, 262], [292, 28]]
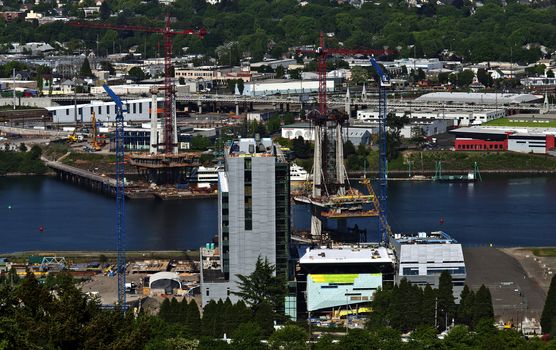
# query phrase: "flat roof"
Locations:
[[433, 237], [478, 97], [346, 255], [478, 130], [429, 253]]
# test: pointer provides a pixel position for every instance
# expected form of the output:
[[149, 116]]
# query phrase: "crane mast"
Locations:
[[383, 85], [168, 33], [120, 197]]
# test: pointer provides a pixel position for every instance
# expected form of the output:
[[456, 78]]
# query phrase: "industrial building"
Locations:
[[343, 276], [483, 98], [421, 258], [461, 118], [136, 110], [253, 217], [522, 140], [272, 87]]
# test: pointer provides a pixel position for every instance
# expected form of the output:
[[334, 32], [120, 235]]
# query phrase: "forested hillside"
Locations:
[[251, 28]]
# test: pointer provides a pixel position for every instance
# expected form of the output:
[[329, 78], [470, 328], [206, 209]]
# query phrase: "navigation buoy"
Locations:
[[441, 220], [41, 228]]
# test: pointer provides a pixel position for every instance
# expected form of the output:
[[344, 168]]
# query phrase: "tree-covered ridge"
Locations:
[[255, 27]]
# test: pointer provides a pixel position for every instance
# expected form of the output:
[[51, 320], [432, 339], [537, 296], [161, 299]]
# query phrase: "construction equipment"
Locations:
[[384, 83], [322, 53], [168, 33], [94, 143], [120, 197]]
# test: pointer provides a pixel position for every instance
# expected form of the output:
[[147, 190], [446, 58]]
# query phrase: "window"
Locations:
[[134, 108], [410, 271], [140, 108], [99, 110], [107, 109], [208, 292]]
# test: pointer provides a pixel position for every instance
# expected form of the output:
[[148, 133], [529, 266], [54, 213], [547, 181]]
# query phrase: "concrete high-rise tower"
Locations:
[[253, 217]]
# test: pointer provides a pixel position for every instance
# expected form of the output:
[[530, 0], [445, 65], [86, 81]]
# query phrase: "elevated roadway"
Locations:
[[290, 101]]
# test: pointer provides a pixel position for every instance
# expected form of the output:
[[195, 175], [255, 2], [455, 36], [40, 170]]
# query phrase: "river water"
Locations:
[[504, 211]]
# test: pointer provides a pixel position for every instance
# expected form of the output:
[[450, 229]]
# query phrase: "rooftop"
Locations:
[[434, 237], [251, 147], [476, 97], [346, 255]]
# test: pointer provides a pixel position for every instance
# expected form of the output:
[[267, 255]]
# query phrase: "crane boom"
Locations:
[[322, 52], [168, 33]]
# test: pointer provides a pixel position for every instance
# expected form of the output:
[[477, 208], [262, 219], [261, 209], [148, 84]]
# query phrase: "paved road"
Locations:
[[513, 292]]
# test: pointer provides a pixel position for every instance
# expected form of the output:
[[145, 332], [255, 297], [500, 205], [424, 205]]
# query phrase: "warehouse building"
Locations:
[[423, 256], [136, 110]]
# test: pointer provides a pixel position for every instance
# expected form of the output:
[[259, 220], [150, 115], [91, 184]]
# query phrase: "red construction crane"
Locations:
[[168, 33], [322, 53]]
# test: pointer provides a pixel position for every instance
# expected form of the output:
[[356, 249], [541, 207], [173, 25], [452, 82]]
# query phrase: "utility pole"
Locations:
[[13, 87]]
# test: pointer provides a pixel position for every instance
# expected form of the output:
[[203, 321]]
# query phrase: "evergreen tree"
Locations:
[[85, 70], [242, 313], [464, 314], [165, 310], [549, 311], [228, 315], [219, 322], [482, 305], [183, 311], [428, 306], [264, 317], [209, 320], [193, 321], [262, 286], [446, 305], [175, 310]]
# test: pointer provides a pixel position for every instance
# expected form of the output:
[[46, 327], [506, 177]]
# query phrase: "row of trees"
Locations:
[[25, 162], [495, 31], [407, 306]]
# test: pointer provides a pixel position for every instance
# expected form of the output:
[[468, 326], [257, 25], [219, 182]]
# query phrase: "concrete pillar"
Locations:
[[154, 124], [340, 175], [175, 126], [317, 162], [200, 107], [237, 108]]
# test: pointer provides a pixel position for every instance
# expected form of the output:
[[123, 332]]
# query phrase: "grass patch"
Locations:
[[544, 252], [426, 161], [532, 123], [92, 158]]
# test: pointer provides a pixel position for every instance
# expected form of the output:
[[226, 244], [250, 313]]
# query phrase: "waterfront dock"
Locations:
[[95, 182]]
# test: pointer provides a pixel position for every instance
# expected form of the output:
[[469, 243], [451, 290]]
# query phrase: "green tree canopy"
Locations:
[[262, 286]]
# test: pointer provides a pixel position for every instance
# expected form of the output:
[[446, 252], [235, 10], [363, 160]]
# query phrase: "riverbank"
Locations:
[[102, 256]]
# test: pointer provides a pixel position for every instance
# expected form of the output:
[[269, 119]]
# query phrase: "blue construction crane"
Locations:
[[384, 84], [120, 196]]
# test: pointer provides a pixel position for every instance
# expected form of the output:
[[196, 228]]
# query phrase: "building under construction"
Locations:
[[331, 196]]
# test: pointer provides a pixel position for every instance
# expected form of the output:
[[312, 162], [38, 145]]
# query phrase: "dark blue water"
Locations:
[[500, 210]]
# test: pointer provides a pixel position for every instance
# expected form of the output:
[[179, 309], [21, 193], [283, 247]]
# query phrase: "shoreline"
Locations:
[[374, 172]]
